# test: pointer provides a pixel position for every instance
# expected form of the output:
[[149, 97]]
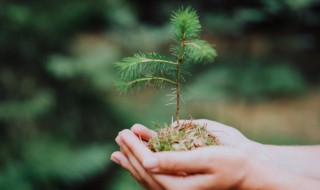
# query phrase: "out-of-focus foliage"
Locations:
[[59, 109], [56, 120], [53, 161], [94, 67], [252, 83]]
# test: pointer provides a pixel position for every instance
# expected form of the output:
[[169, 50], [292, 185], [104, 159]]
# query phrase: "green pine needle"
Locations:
[[200, 50], [147, 69], [158, 82], [185, 22], [131, 66]]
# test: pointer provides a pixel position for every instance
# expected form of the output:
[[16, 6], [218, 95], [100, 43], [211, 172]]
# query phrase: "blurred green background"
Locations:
[[59, 109]]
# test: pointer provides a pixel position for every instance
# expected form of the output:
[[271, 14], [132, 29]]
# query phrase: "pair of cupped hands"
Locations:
[[215, 167]]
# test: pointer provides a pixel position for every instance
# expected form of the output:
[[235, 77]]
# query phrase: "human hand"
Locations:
[[217, 168], [226, 135]]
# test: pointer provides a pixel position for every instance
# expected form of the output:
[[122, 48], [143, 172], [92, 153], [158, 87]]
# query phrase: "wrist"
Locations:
[[258, 176], [260, 152], [247, 174], [264, 177]]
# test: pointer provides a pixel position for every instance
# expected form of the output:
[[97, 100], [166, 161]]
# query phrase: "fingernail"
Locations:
[[136, 125], [118, 141], [150, 162], [115, 160]]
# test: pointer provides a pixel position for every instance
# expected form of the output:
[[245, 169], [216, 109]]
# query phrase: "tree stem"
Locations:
[[180, 60], [178, 93]]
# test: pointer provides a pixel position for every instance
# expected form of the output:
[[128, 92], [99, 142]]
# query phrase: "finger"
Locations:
[[137, 169], [194, 161], [143, 132], [123, 156], [117, 139], [132, 165], [136, 151], [119, 142], [186, 183], [122, 160], [134, 145], [145, 179]]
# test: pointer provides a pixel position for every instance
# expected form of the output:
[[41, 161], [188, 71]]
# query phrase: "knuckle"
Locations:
[[165, 164]]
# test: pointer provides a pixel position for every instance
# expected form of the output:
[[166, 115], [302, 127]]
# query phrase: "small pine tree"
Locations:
[[144, 69]]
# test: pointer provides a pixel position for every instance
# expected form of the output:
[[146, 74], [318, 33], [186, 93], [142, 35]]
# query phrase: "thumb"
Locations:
[[194, 161]]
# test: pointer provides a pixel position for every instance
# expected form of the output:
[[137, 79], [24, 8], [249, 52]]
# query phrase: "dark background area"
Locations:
[[60, 110]]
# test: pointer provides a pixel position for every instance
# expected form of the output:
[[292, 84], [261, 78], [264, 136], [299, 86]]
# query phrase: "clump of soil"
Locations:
[[186, 136]]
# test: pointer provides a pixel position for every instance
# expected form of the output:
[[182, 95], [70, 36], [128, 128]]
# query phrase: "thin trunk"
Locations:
[[180, 60], [178, 94]]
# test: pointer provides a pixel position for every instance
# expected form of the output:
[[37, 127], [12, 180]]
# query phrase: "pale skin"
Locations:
[[238, 164]]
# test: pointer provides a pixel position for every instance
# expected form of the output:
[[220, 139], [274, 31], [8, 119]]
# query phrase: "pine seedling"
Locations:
[[151, 69]]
